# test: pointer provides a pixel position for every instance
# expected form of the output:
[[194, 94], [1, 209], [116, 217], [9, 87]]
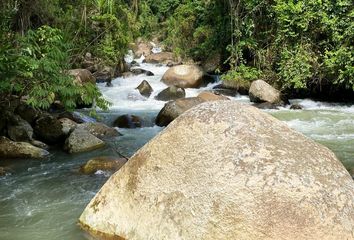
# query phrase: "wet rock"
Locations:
[[145, 89], [222, 170], [2, 171], [10, 149], [223, 90], [100, 130], [49, 129], [173, 109], [82, 76], [296, 107], [260, 91], [127, 74], [163, 57], [19, 130], [106, 74], [138, 71], [209, 96], [171, 93], [134, 64], [212, 63], [68, 125], [184, 76], [81, 140], [39, 144], [128, 121], [102, 163], [77, 117]]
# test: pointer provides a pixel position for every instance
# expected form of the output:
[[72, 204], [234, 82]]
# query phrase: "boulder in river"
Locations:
[[209, 96], [100, 130], [260, 91], [10, 149], [102, 163], [171, 93], [234, 173], [184, 76], [68, 125], [49, 129], [105, 74], [128, 121], [138, 71], [296, 107], [173, 109], [19, 130], [145, 89], [162, 57], [82, 76], [81, 140]]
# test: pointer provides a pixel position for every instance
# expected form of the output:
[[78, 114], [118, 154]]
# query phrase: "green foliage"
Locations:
[[296, 67], [241, 77], [38, 67]]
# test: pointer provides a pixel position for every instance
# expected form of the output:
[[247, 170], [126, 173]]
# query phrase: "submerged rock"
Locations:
[[102, 163], [171, 93], [184, 76], [145, 89], [296, 107], [234, 172], [10, 149], [81, 140], [260, 91], [127, 121]]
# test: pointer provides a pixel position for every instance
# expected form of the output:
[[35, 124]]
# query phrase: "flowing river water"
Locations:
[[42, 200]]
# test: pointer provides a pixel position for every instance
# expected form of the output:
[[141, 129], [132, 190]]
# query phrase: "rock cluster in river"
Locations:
[[235, 171], [30, 138]]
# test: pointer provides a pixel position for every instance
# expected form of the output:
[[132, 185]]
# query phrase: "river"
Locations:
[[42, 200]]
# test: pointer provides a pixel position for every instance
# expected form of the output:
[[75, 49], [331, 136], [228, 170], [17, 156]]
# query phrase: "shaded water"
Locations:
[[42, 200]]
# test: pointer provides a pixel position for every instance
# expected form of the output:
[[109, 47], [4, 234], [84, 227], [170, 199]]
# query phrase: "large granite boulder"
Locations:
[[171, 93], [260, 91], [10, 149], [163, 57], [184, 76], [224, 170], [209, 96], [81, 140]]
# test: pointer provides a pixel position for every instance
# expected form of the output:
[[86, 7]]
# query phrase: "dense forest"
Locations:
[[302, 47]]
